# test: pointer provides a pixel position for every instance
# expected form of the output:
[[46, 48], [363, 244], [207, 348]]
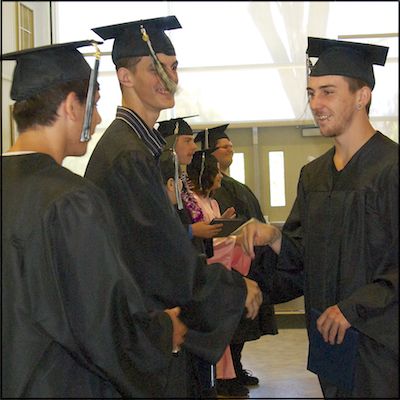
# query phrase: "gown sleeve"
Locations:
[[373, 307], [163, 260], [109, 330]]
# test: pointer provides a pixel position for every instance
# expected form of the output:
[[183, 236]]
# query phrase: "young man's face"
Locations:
[[185, 147], [332, 103], [224, 153], [148, 87]]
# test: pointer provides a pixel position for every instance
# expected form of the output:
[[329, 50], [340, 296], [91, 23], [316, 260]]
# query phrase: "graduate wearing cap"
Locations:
[[74, 321], [125, 164], [179, 135], [343, 229]]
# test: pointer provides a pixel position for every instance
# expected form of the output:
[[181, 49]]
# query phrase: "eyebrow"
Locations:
[[322, 87], [175, 64]]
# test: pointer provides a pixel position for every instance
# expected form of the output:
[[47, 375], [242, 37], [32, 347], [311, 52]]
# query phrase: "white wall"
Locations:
[[42, 36]]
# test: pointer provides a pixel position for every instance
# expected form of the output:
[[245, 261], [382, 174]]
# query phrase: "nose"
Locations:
[[315, 102]]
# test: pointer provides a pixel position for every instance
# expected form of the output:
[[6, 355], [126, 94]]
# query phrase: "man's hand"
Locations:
[[332, 325], [259, 234], [229, 213], [206, 231], [254, 298], [178, 327]]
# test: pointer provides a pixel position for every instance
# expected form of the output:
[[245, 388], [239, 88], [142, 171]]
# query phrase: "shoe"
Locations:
[[231, 388], [246, 378]]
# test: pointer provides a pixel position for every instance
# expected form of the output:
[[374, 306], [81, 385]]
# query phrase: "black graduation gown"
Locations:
[[73, 321], [233, 193], [343, 231], [157, 248]]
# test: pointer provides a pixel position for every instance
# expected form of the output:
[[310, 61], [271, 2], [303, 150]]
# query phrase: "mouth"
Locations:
[[322, 118], [163, 91]]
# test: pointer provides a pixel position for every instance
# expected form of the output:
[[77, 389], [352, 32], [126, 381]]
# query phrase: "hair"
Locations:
[[167, 166], [356, 84], [210, 172], [41, 109], [127, 62]]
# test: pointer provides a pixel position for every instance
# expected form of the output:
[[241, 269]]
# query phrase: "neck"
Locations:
[[149, 116], [41, 140], [346, 145]]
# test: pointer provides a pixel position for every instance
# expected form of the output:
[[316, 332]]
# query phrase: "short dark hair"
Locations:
[[167, 166], [209, 173], [127, 62], [41, 109], [356, 84]]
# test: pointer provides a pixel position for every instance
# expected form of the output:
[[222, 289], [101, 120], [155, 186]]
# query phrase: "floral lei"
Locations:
[[189, 201]]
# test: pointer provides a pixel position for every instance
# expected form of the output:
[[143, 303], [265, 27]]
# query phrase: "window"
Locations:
[[247, 65], [25, 35], [236, 170], [277, 178]]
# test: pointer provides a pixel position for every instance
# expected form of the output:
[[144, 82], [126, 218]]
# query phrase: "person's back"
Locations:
[[74, 322]]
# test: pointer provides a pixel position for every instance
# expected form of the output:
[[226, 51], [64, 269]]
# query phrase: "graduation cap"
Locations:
[[142, 38], [354, 60], [41, 68], [209, 137], [174, 127]]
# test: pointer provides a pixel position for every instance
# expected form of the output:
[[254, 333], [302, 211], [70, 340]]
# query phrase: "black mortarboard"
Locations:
[[141, 38], [43, 67], [174, 127], [354, 60], [129, 40], [209, 137]]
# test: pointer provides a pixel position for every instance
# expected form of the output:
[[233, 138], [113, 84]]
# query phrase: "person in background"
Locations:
[[155, 246], [74, 320], [236, 195], [179, 137], [343, 230], [206, 177]]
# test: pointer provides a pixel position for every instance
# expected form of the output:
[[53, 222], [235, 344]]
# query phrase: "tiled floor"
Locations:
[[280, 362]]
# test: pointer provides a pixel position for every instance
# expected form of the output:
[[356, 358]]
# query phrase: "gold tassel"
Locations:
[[169, 84]]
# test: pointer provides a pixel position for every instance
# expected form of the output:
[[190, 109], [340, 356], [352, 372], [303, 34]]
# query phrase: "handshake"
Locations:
[[253, 302]]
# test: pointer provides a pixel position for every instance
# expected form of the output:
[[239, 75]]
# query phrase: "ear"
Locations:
[[364, 96], [171, 185], [69, 107], [125, 77]]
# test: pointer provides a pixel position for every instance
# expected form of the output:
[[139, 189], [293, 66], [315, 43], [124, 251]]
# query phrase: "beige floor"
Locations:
[[280, 363]]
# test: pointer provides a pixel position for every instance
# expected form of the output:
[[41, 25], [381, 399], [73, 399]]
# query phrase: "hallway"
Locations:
[[280, 363]]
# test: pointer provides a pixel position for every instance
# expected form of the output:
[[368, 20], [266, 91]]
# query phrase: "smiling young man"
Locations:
[[155, 246], [343, 230]]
